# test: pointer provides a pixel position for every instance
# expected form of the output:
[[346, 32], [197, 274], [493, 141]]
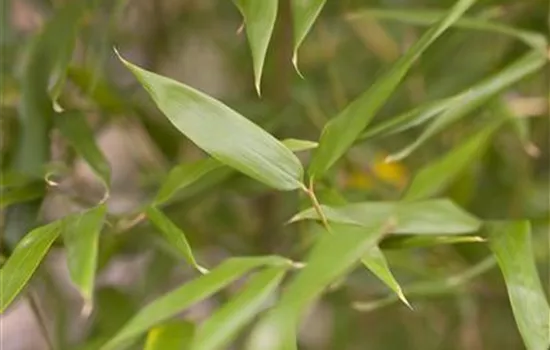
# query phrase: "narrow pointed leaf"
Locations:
[[331, 257], [376, 262], [173, 335], [184, 175], [437, 216], [222, 327], [511, 244], [409, 241], [23, 262], [435, 177], [180, 299], [297, 145], [75, 129], [223, 133], [342, 131], [472, 99], [304, 13], [81, 237], [429, 17], [173, 235], [21, 194], [259, 19]]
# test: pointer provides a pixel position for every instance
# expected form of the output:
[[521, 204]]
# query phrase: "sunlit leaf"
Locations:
[[474, 98], [437, 216], [436, 176], [511, 244], [190, 293], [331, 257], [429, 17], [224, 324], [296, 145], [259, 20], [304, 13], [410, 241], [172, 335], [24, 260], [81, 237], [173, 235], [222, 132], [75, 129], [342, 131]]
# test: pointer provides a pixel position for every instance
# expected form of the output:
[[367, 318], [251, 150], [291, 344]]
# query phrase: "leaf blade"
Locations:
[[304, 13], [172, 335]]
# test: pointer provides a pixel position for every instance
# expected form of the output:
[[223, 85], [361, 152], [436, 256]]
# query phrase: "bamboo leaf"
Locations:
[[410, 241], [190, 293], [331, 257], [472, 99], [224, 324], [511, 244], [24, 260], [304, 13], [21, 194], [173, 235], [81, 237], [439, 174], [437, 216], [259, 20], [172, 335], [297, 145], [342, 131], [223, 133]]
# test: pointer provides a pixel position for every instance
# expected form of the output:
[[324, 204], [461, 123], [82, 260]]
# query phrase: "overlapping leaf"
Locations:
[[342, 131], [173, 335], [190, 293], [304, 13], [222, 132]]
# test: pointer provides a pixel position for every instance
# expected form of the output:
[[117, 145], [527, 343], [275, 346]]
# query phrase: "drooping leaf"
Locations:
[[331, 257], [437, 175], [342, 131], [221, 327], [429, 17], [21, 194], [172, 335], [376, 262], [434, 287], [222, 132], [173, 235], [304, 13], [75, 129], [24, 260], [259, 19], [190, 293], [437, 216], [410, 241], [472, 99], [511, 244], [81, 237]]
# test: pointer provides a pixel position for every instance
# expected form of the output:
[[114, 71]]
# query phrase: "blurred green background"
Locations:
[[199, 42]]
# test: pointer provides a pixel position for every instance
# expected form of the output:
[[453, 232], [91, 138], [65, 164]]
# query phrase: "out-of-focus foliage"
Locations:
[[139, 158]]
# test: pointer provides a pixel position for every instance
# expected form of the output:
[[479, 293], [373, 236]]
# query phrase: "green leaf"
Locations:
[[223, 133], [472, 99], [172, 335], [81, 237], [439, 174], [184, 175], [511, 243], [376, 262], [297, 145], [437, 216], [221, 328], [75, 129], [173, 235], [429, 17], [27, 255], [190, 293], [21, 194], [409, 241], [342, 131], [304, 13], [331, 257], [259, 18]]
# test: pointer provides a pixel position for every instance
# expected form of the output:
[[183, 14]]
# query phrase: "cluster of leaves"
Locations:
[[352, 233]]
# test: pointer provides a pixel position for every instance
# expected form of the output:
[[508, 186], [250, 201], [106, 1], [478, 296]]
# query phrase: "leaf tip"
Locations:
[[295, 64]]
